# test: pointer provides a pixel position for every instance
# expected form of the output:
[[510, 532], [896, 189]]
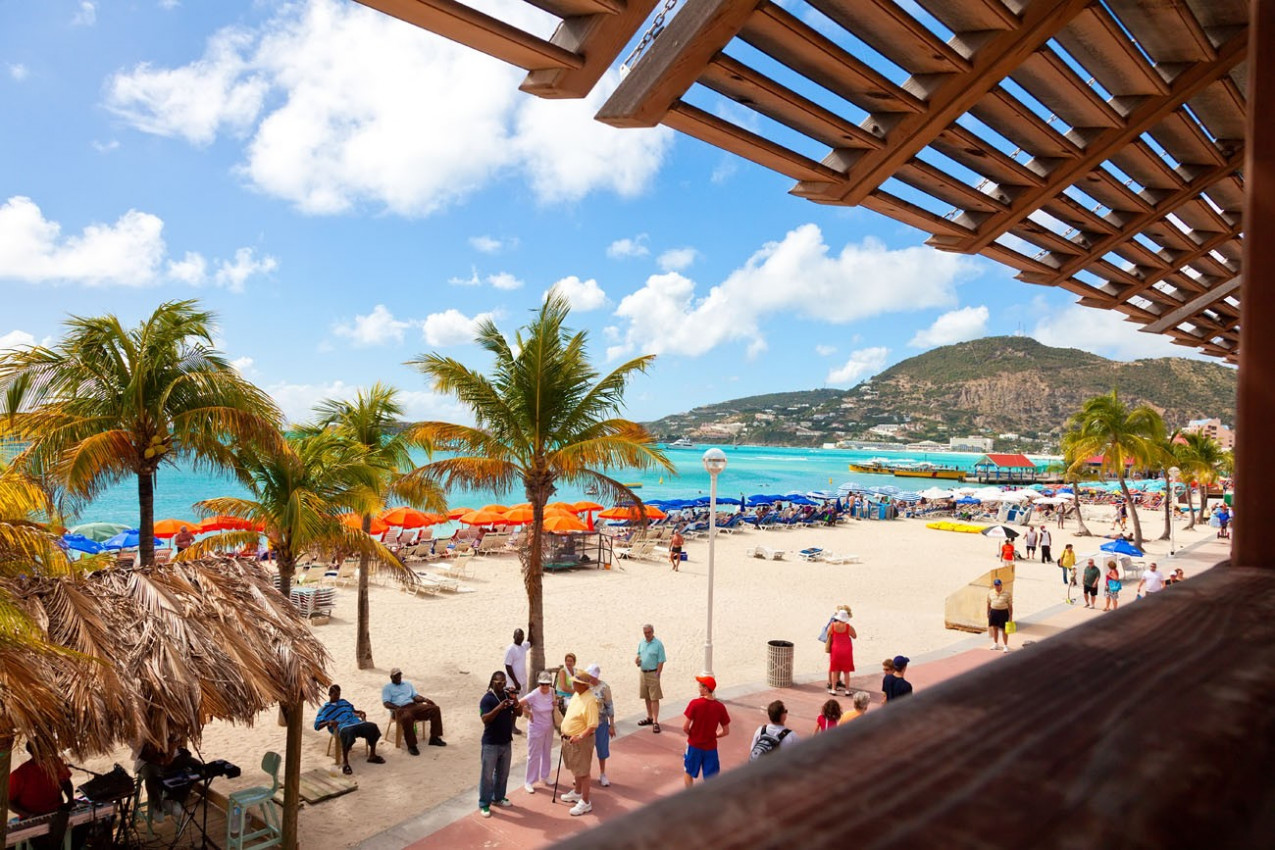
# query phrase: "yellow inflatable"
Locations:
[[949, 525]]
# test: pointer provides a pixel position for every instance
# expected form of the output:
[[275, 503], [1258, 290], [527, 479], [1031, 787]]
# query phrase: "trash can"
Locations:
[[779, 663]]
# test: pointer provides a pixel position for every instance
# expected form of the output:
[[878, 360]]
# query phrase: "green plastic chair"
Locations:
[[240, 805]]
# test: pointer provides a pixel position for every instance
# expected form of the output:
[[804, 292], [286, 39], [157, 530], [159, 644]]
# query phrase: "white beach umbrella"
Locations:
[[936, 493], [988, 494], [1015, 496], [1024, 494]]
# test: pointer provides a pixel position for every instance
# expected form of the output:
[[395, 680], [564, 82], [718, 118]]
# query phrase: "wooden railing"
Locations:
[[1153, 727]]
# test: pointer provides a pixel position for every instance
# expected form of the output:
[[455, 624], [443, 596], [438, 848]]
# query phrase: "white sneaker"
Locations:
[[529, 788], [996, 647], [570, 797], [581, 808], [1005, 648], [603, 781]]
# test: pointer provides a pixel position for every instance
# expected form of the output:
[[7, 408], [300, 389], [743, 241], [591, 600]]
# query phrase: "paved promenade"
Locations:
[[644, 766]]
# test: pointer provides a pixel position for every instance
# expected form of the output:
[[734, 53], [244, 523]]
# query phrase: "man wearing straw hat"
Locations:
[[578, 728]]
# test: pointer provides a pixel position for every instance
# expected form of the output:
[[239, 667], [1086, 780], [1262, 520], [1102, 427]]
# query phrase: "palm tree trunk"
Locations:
[[363, 641], [533, 575], [287, 568], [291, 775], [1190, 507], [1082, 530], [6, 760], [1168, 507], [146, 525], [1133, 512]]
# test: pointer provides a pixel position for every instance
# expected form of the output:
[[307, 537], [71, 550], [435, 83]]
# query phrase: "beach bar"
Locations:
[[1108, 148], [1005, 469]]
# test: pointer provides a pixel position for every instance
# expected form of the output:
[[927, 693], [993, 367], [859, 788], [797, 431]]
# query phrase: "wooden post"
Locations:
[[1255, 393], [292, 776]]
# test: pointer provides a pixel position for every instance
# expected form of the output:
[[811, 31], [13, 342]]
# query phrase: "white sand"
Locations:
[[448, 646]]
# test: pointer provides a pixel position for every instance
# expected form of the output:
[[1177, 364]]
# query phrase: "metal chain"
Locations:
[[657, 27]]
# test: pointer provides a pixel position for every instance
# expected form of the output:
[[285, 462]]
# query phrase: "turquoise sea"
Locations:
[[750, 469]]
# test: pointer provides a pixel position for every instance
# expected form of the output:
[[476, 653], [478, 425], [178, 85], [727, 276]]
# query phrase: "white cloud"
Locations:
[[104, 147], [622, 249], [492, 245], [955, 326], [191, 269], [16, 339], [243, 365], [86, 16], [18, 71], [725, 170], [825, 350], [233, 275], [583, 295], [342, 106], [862, 364], [169, 4], [451, 327], [1106, 333], [504, 280], [796, 276], [472, 280], [130, 252], [677, 259], [376, 328]]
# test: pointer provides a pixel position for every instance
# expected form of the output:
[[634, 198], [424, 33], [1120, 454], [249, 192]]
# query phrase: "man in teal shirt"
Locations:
[[650, 660]]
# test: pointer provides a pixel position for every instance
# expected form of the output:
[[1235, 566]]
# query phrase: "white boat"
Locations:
[[681, 443]]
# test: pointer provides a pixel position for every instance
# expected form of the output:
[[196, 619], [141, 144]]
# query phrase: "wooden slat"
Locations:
[[1052, 81], [599, 39], [1140, 255], [967, 16], [1103, 186], [909, 213], [938, 184], [953, 94], [924, 766], [578, 8], [1181, 137], [960, 145], [673, 62], [1097, 42], [1186, 311], [1221, 108], [1150, 113], [1073, 213], [1043, 237], [482, 32], [715, 131], [1197, 214], [1167, 31], [1143, 164], [894, 34], [1016, 121], [1015, 259], [1177, 260], [788, 40], [747, 86]]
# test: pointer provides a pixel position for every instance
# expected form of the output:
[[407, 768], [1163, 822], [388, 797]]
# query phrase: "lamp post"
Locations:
[[714, 463], [1172, 495]]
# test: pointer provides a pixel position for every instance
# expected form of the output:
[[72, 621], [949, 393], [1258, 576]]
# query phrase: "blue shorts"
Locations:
[[602, 738], [696, 760]]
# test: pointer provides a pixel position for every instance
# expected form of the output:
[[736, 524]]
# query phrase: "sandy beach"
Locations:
[[448, 645]]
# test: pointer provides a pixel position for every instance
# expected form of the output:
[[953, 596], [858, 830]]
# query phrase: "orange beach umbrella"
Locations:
[[517, 516], [630, 512], [169, 527], [355, 521], [562, 523], [228, 523], [586, 505], [457, 513], [496, 509], [406, 517], [484, 518]]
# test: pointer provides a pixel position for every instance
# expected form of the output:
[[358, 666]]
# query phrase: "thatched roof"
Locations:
[[154, 650]]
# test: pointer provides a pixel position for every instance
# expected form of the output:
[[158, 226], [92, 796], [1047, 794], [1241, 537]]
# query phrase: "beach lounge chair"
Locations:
[[766, 553], [812, 554], [492, 542], [834, 558]]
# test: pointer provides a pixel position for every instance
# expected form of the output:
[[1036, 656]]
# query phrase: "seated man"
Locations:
[[153, 765], [408, 706], [33, 790], [340, 718]]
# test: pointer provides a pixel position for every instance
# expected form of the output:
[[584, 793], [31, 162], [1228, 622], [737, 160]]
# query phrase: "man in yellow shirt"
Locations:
[[578, 726]]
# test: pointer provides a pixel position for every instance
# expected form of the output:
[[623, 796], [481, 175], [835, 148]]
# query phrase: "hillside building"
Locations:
[[970, 444], [1214, 428]]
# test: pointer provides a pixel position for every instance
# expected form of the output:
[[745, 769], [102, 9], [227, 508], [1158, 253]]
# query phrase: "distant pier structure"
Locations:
[[1006, 469]]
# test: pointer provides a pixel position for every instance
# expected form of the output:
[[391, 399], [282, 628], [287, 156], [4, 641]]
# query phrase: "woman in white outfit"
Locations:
[[540, 702]]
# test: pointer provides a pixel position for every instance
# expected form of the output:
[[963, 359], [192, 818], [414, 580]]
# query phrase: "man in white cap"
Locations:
[[539, 703], [407, 707], [578, 728], [606, 722]]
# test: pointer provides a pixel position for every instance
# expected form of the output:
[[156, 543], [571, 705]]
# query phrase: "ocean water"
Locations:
[[749, 469]]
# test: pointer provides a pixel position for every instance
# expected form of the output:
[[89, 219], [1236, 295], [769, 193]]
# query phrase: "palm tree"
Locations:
[[298, 492], [1073, 470], [1170, 454], [368, 423], [1203, 462], [108, 402], [1106, 426], [543, 417]]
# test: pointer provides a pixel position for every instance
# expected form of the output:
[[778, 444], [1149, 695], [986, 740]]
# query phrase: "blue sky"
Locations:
[[348, 192]]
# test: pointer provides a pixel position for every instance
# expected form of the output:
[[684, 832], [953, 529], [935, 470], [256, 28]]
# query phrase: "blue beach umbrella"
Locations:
[[1121, 547], [966, 500], [127, 540], [798, 499], [80, 543]]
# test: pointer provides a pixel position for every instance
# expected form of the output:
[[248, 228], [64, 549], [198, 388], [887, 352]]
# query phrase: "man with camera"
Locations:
[[498, 708], [407, 707]]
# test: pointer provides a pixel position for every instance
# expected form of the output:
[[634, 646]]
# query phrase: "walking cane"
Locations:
[[558, 774]]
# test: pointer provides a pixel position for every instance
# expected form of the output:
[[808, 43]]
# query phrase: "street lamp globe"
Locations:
[[714, 461], [1174, 472]]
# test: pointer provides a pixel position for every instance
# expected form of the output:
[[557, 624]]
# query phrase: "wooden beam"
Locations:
[[895, 34], [706, 127], [674, 61], [954, 94], [599, 39], [460, 23], [1255, 393], [1195, 305], [1140, 222], [1089, 770], [576, 8], [1101, 144]]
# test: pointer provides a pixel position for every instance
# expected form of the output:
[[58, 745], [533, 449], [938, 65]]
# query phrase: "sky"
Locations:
[[348, 192]]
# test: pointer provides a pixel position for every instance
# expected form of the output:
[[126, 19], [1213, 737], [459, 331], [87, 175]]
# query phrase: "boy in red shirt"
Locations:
[[703, 717]]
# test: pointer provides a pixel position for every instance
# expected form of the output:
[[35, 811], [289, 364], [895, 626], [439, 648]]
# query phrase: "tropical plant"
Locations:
[[298, 492], [1203, 462], [1106, 427], [544, 416], [106, 402], [1073, 471], [368, 422]]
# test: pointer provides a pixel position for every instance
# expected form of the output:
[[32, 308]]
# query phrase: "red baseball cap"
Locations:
[[707, 681]]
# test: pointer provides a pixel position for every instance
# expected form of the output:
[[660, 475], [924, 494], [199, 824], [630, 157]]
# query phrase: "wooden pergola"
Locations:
[[1114, 148]]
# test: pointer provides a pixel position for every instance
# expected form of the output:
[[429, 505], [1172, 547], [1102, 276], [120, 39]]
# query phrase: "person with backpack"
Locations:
[[769, 737]]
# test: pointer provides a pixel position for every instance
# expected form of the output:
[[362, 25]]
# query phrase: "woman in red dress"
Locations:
[[840, 650]]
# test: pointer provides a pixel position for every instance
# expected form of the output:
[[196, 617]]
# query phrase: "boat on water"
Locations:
[[681, 443], [925, 469], [875, 466]]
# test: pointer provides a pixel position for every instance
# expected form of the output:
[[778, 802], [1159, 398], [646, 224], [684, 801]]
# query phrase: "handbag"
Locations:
[[1011, 627]]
